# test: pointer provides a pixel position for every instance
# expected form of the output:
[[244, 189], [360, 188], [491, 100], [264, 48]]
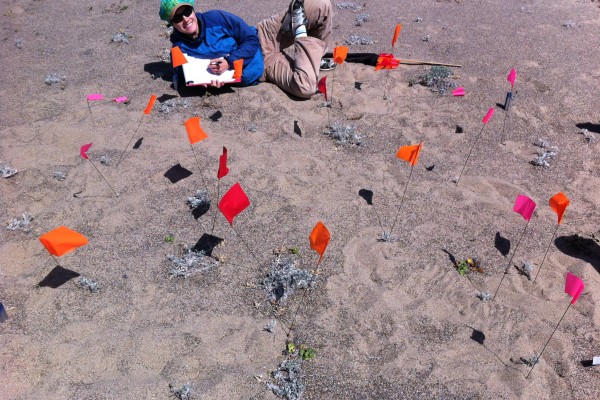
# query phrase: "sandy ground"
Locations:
[[388, 320]]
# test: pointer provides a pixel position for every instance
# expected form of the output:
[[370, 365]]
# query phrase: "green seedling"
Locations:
[[465, 267], [169, 238], [295, 250], [306, 353], [291, 348]]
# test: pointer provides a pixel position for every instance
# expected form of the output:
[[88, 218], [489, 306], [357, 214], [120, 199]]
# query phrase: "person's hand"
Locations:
[[218, 65]]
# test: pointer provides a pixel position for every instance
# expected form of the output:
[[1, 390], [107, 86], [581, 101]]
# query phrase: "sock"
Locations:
[[300, 31]]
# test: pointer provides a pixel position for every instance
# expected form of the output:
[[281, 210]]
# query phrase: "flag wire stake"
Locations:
[[130, 139], [402, 199], [469, 154], [510, 261], [548, 341], [546, 253], [96, 168]]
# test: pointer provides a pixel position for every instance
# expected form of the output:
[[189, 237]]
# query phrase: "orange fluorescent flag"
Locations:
[[410, 154], [177, 57], [150, 104], [194, 130], [339, 54], [396, 34], [62, 240], [386, 61], [319, 239], [559, 202], [238, 66]]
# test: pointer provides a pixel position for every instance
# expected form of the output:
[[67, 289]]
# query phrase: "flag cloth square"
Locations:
[[83, 150], [512, 75], [194, 130], [223, 170], [410, 154], [386, 61], [322, 86], [177, 57], [573, 286], [396, 34], [234, 202], [488, 115], [319, 239], [238, 67], [62, 240], [559, 202], [95, 97], [524, 206], [148, 109], [339, 54]]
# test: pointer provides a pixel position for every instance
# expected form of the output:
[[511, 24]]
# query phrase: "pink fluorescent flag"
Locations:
[[233, 202], [95, 97], [323, 86], [512, 75], [83, 150], [121, 99], [488, 115], [524, 206], [459, 91], [223, 170], [573, 286]]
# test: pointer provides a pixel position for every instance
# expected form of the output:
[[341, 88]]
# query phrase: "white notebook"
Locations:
[[196, 72]]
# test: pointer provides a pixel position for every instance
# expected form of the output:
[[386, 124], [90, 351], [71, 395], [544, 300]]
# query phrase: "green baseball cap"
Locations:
[[168, 7]]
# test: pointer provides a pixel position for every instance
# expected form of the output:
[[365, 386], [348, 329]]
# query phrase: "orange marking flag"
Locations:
[[396, 34], [238, 67], [177, 57], [339, 54], [194, 130], [62, 240], [559, 202], [150, 104], [410, 154], [386, 61], [319, 239], [234, 202]]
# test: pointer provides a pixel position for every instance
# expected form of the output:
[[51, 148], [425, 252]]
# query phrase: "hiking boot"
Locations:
[[295, 17], [327, 64]]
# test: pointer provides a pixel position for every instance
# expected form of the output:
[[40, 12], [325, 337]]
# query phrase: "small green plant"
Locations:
[[169, 238], [465, 267], [295, 250], [291, 348], [306, 353]]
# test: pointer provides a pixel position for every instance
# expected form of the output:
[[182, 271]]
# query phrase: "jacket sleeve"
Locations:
[[245, 36]]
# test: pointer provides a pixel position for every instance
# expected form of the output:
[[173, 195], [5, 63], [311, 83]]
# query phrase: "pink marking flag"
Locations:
[[512, 75], [559, 202], [223, 170], [95, 97], [233, 202], [460, 91], [323, 86], [524, 206], [573, 286], [83, 150], [488, 115], [121, 99]]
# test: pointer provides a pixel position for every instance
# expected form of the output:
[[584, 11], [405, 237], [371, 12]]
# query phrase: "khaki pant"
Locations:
[[296, 74]]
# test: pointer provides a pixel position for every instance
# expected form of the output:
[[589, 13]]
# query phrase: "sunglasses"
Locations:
[[187, 11]]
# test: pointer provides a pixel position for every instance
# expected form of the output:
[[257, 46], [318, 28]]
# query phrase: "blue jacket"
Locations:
[[223, 34]]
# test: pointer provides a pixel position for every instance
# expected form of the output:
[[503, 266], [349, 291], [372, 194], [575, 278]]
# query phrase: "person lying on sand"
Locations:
[[223, 38]]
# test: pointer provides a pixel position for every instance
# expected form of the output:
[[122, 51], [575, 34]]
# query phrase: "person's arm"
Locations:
[[244, 35]]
